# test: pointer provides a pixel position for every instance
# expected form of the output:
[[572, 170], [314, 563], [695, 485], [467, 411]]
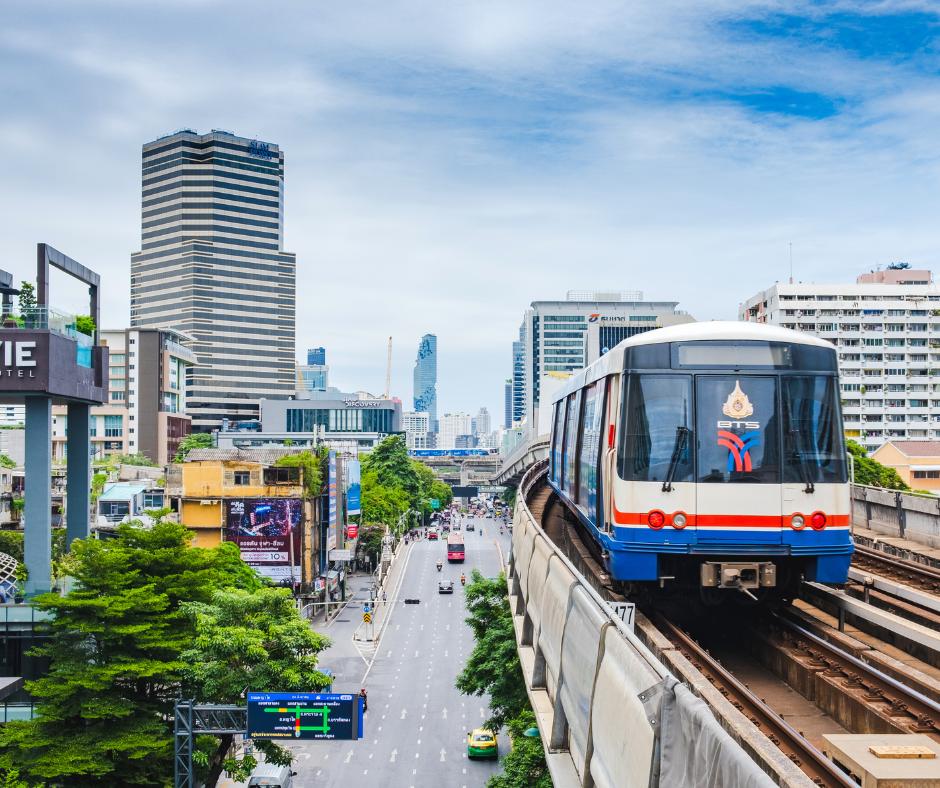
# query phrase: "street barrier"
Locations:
[[601, 699]]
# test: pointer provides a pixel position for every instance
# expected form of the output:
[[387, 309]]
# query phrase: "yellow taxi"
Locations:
[[481, 743]]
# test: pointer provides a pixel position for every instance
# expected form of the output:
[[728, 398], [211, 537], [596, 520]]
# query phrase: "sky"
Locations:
[[447, 163]]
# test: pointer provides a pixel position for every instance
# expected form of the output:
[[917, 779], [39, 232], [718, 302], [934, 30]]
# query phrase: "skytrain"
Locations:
[[708, 457]]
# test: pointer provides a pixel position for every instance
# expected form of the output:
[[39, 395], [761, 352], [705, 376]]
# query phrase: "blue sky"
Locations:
[[448, 163]]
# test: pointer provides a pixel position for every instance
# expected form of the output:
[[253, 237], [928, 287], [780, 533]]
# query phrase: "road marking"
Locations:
[[326, 755], [365, 771], [445, 652], [397, 626], [374, 741], [465, 768], [403, 712], [306, 756], [482, 715], [394, 756], [416, 654], [383, 717], [443, 754], [389, 653], [444, 714], [319, 772], [417, 755], [370, 755], [348, 757]]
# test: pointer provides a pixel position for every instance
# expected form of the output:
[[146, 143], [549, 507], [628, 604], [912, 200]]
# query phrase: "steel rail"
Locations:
[[790, 741], [898, 565]]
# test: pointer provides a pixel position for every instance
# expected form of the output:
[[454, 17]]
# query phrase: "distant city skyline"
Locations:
[[449, 164]]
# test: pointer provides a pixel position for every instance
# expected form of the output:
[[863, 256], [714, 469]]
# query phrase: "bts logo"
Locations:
[[739, 448]]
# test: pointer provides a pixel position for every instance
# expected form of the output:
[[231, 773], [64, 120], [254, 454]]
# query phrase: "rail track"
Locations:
[[790, 741], [923, 578]]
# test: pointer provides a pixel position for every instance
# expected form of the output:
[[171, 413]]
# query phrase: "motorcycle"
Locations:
[[463, 580], [440, 565]]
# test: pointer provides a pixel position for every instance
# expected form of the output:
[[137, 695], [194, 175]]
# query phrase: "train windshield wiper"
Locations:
[[804, 468], [682, 436]]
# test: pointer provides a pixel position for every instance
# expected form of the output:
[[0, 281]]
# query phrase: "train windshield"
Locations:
[[747, 428]]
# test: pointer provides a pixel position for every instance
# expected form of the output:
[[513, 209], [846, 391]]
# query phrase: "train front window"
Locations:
[[814, 450], [737, 429], [656, 410]]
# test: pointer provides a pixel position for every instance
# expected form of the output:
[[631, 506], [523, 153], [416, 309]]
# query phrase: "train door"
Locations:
[[738, 496]]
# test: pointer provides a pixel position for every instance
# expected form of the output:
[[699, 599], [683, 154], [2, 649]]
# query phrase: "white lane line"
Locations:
[[394, 756], [443, 755], [348, 757]]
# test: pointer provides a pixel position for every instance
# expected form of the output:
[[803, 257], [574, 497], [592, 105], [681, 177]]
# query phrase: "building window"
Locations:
[[113, 426], [242, 478], [286, 475], [926, 474]]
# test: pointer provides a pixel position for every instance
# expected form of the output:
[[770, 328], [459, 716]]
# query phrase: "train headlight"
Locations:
[[797, 522], [678, 520], [817, 520], [656, 519]]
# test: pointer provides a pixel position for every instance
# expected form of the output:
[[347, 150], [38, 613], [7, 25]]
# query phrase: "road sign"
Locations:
[[435, 503], [367, 608], [625, 611], [304, 715], [367, 618]]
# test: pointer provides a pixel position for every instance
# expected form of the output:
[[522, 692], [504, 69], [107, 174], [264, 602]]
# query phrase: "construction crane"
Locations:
[[388, 370]]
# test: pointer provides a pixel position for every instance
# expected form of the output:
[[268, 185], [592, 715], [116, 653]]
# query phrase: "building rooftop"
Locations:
[[266, 456], [121, 491], [917, 448]]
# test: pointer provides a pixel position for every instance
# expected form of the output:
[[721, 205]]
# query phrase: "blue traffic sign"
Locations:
[[304, 715]]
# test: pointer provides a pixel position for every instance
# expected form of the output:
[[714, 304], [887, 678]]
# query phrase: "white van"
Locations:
[[271, 776]]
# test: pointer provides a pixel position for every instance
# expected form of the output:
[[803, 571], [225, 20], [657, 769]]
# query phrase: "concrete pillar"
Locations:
[[37, 511], [78, 473]]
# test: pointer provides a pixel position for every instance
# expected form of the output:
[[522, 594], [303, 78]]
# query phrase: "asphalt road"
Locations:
[[416, 726]]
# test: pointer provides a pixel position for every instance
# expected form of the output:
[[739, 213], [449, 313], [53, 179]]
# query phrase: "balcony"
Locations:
[[43, 318]]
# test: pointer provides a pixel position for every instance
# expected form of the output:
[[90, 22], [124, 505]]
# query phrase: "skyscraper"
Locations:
[[507, 404], [481, 422], [316, 355], [211, 265], [425, 379], [315, 374], [518, 379]]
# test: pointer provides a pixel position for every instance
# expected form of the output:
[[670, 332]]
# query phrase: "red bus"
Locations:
[[455, 553]]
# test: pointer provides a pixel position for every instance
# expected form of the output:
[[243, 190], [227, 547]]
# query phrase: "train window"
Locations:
[[557, 438], [569, 480], [812, 432], [591, 423], [654, 408], [737, 429]]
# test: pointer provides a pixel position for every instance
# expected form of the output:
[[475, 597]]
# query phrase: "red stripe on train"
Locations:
[[728, 520]]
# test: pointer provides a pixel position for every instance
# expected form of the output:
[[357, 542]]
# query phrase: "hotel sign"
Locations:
[[18, 359], [39, 361]]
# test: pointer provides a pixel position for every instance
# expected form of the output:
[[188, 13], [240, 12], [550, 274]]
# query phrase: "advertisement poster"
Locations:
[[354, 488], [267, 532], [333, 494]]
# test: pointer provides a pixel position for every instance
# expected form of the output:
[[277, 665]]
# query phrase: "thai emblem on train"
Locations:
[[737, 406]]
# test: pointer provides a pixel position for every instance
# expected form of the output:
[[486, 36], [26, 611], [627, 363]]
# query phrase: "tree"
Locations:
[[312, 464], [7, 462], [379, 503], [392, 466], [104, 709], [370, 542], [197, 440], [27, 298], [524, 766], [85, 324], [11, 543], [493, 667], [248, 641], [872, 472], [133, 459]]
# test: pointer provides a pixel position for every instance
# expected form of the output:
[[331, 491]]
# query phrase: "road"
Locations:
[[416, 726]]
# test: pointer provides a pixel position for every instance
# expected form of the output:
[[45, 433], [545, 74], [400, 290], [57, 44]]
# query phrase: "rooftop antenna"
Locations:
[[791, 262], [388, 369]]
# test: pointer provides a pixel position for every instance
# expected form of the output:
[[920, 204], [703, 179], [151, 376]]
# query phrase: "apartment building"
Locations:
[[886, 328]]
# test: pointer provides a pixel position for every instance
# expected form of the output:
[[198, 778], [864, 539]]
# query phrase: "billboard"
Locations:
[[353, 488], [452, 452], [465, 492], [267, 532], [332, 486], [304, 715]]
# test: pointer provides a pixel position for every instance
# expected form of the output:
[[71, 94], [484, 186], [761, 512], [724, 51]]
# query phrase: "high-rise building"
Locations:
[[417, 429], [481, 422], [211, 265], [559, 338], [146, 408], [425, 379], [886, 329], [518, 378], [315, 374], [452, 426], [507, 404]]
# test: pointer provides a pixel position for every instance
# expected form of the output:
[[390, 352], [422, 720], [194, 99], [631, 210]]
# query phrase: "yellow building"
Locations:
[[243, 496], [917, 462]]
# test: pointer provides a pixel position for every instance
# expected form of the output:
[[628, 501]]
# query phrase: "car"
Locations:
[[432, 533], [481, 743], [470, 526], [445, 587]]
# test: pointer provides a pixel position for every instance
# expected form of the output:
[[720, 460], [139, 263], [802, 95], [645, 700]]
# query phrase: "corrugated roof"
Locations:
[[122, 491], [267, 455], [917, 448]]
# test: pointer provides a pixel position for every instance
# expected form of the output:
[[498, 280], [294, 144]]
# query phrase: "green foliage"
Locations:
[[392, 466], [370, 541], [872, 472], [524, 766], [493, 666], [27, 297], [98, 482], [7, 462], [380, 503], [248, 641], [104, 709], [84, 324], [17, 504], [312, 464], [509, 496], [133, 459], [11, 543], [10, 778], [197, 440]]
